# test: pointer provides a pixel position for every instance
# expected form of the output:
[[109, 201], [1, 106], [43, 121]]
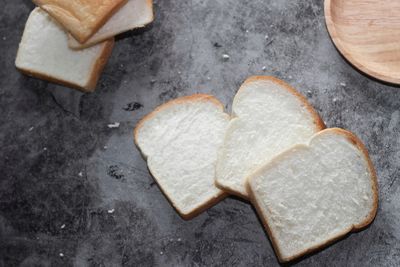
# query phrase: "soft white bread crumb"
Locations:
[[134, 14], [269, 117], [314, 194], [180, 140], [44, 53]]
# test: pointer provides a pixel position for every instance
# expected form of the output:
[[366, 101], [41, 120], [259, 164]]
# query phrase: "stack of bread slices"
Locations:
[[309, 185], [69, 42]]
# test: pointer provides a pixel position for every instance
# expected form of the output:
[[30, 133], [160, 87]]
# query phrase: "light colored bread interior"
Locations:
[[313, 194], [180, 140], [134, 14], [44, 53], [81, 18], [268, 118]]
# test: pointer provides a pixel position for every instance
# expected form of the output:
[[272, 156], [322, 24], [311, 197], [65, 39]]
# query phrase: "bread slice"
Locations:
[[180, 140], [311, 195], [82, 18], [268, 117], [134, 14], [44, 53]]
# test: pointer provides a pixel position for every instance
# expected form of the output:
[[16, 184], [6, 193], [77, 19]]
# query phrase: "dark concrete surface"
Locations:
[[75, 192]]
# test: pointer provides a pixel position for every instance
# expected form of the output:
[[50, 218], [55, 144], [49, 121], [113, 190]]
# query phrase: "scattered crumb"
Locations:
[[4, 38], [179, 239], [111, 211], [114, 125], [209, 78], [264, 68], [161, 253], [290, 77], [61, 255], [179, 72], [335, 100], [171, 239], [247, 31], [80, 174], [266, 37], [343, 84], [225, 57], [45, 149], [105, 147], [31, 129], [309, 93], [62, 226], [153, 81]]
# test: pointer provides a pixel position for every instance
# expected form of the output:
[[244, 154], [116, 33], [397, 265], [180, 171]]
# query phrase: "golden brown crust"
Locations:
[[95, 74], [319, 123], [358, 143], [177, 101], [96, 39], [81, 22]]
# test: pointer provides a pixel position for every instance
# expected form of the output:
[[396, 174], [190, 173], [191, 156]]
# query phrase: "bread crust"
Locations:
[[81, 26], [354, 228], [318, 122], [97, 68], [93, 41], [178, 101]]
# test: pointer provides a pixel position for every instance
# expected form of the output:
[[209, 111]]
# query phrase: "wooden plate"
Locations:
[[367, 33]]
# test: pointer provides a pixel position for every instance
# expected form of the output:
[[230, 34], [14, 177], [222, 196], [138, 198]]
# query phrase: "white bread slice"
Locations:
[[311, 195], [134, 14], [180, 140], [268, 117], [44, 53], [82, 18]]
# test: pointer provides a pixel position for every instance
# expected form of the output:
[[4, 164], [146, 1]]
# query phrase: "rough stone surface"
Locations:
[[75, 192]]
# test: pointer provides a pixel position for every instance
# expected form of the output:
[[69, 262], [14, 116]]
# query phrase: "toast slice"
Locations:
[[180, 140], [134, 14], [268, 117], [82, 18], [312, 195], [44, 53]]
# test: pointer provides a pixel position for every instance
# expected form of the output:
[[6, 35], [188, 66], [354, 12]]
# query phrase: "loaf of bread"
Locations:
[[82, 18], [134, 14], [313, 194], [180, 140], [269, 117], [44, 53]]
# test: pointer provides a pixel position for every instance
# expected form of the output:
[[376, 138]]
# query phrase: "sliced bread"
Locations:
[[134, 14], [81, 18], [311, 195], [268, 117], [180, 140], [44, 53]]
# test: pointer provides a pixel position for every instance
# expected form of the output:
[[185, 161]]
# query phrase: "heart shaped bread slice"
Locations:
[[180, 140], [311, 195], [82, 18], [44, 53], [134, 14], [269, 117]]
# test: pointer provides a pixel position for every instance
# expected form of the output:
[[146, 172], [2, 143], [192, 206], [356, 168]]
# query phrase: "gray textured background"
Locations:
[[180, 54]]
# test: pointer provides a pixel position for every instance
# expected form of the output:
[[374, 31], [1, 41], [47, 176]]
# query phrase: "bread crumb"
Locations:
[[343, 84], [247, 31], [153, 81], [4, 38], [179, 72], [266, 37], [290, 77], [62, 226], [335, 100], [179, 239], [161, 253], [114, 125], [105, 147], [111, 211], [61, 255], [225, 57], [209, 78], [31, 129], [264, 68], [80, 174], [45, 148]]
